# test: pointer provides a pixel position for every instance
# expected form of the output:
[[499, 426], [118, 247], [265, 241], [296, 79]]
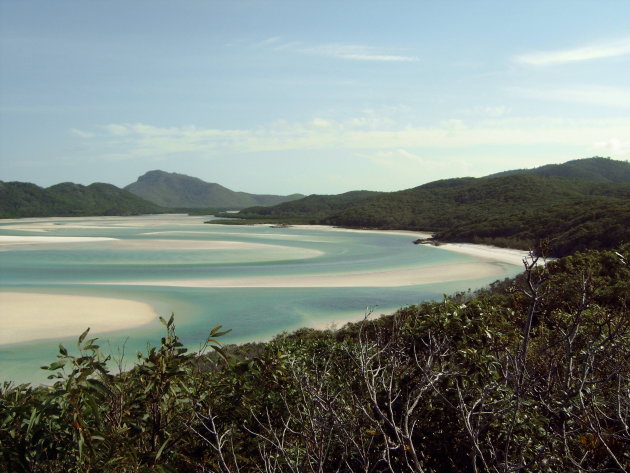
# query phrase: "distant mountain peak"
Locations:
[[171, 189], [159, 174]]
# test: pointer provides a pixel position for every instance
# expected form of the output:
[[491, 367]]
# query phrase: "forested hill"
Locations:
[[181, 191], [22, 199], [310, 209], [518, 209], [592, 169], [443, 204]]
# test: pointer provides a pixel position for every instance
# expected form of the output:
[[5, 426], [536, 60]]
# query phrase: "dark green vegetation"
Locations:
[[21, 199], [179, 191], [309, 210], [569, 207], [594, 169], [532, 375]]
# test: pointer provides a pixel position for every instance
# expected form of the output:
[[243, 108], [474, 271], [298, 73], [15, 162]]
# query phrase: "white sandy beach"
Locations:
[[27, 316], [490, 253]]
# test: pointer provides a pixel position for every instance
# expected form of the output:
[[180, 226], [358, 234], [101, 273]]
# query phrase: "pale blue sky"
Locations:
[[308, 96]]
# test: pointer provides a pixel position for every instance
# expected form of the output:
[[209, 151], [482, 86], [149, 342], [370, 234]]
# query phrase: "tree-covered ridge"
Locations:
[[593, 169], [531, 376], [311, 209], [21, 199], [454, 202], [180, 191], [517, 210], [561, 229]]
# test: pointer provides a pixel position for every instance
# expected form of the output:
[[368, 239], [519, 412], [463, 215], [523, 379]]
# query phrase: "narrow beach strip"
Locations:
[[28, 316], [487, 252]]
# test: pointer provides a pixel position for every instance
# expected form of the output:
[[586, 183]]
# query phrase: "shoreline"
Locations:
[[27, 317], [488, 252]]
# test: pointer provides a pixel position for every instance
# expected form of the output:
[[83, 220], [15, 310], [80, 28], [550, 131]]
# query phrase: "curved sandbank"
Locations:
[[154, 244], [32, 316], [390, 278]]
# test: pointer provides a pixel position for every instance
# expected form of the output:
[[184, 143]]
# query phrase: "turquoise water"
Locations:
[[170, 248]]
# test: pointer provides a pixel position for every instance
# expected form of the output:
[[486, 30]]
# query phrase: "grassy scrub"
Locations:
[[530, 375]]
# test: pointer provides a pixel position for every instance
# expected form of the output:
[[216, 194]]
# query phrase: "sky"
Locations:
[[321, 97]]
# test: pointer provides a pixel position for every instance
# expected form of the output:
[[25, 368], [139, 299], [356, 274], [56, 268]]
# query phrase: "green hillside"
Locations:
[[592, 169], [311, 209], [21, 199], [437, 206], [180, 191], [561, 229], [516, 209]]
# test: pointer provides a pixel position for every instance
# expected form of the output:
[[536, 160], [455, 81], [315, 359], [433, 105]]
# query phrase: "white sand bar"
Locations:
[[390, 278], [9, 240], [28, 316]]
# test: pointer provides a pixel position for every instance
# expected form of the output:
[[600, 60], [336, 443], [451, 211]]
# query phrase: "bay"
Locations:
[[256, 280]]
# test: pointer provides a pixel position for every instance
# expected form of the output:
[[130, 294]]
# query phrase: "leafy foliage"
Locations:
[[531, 375]]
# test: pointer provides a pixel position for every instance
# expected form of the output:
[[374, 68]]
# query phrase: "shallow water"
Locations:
[[171, 248]]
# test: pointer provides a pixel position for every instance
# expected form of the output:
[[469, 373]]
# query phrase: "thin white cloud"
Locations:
[[488, 111], [593, 95], [617, 147], [352, 52], [369, 137], [118, 130], [356, 52], [81, 133], [267, 42], [585, 53], [393, 158]]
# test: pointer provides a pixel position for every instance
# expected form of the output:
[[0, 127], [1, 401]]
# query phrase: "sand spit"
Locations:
[[158, 244], [390, 278], [6, 240], [27, 316]]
